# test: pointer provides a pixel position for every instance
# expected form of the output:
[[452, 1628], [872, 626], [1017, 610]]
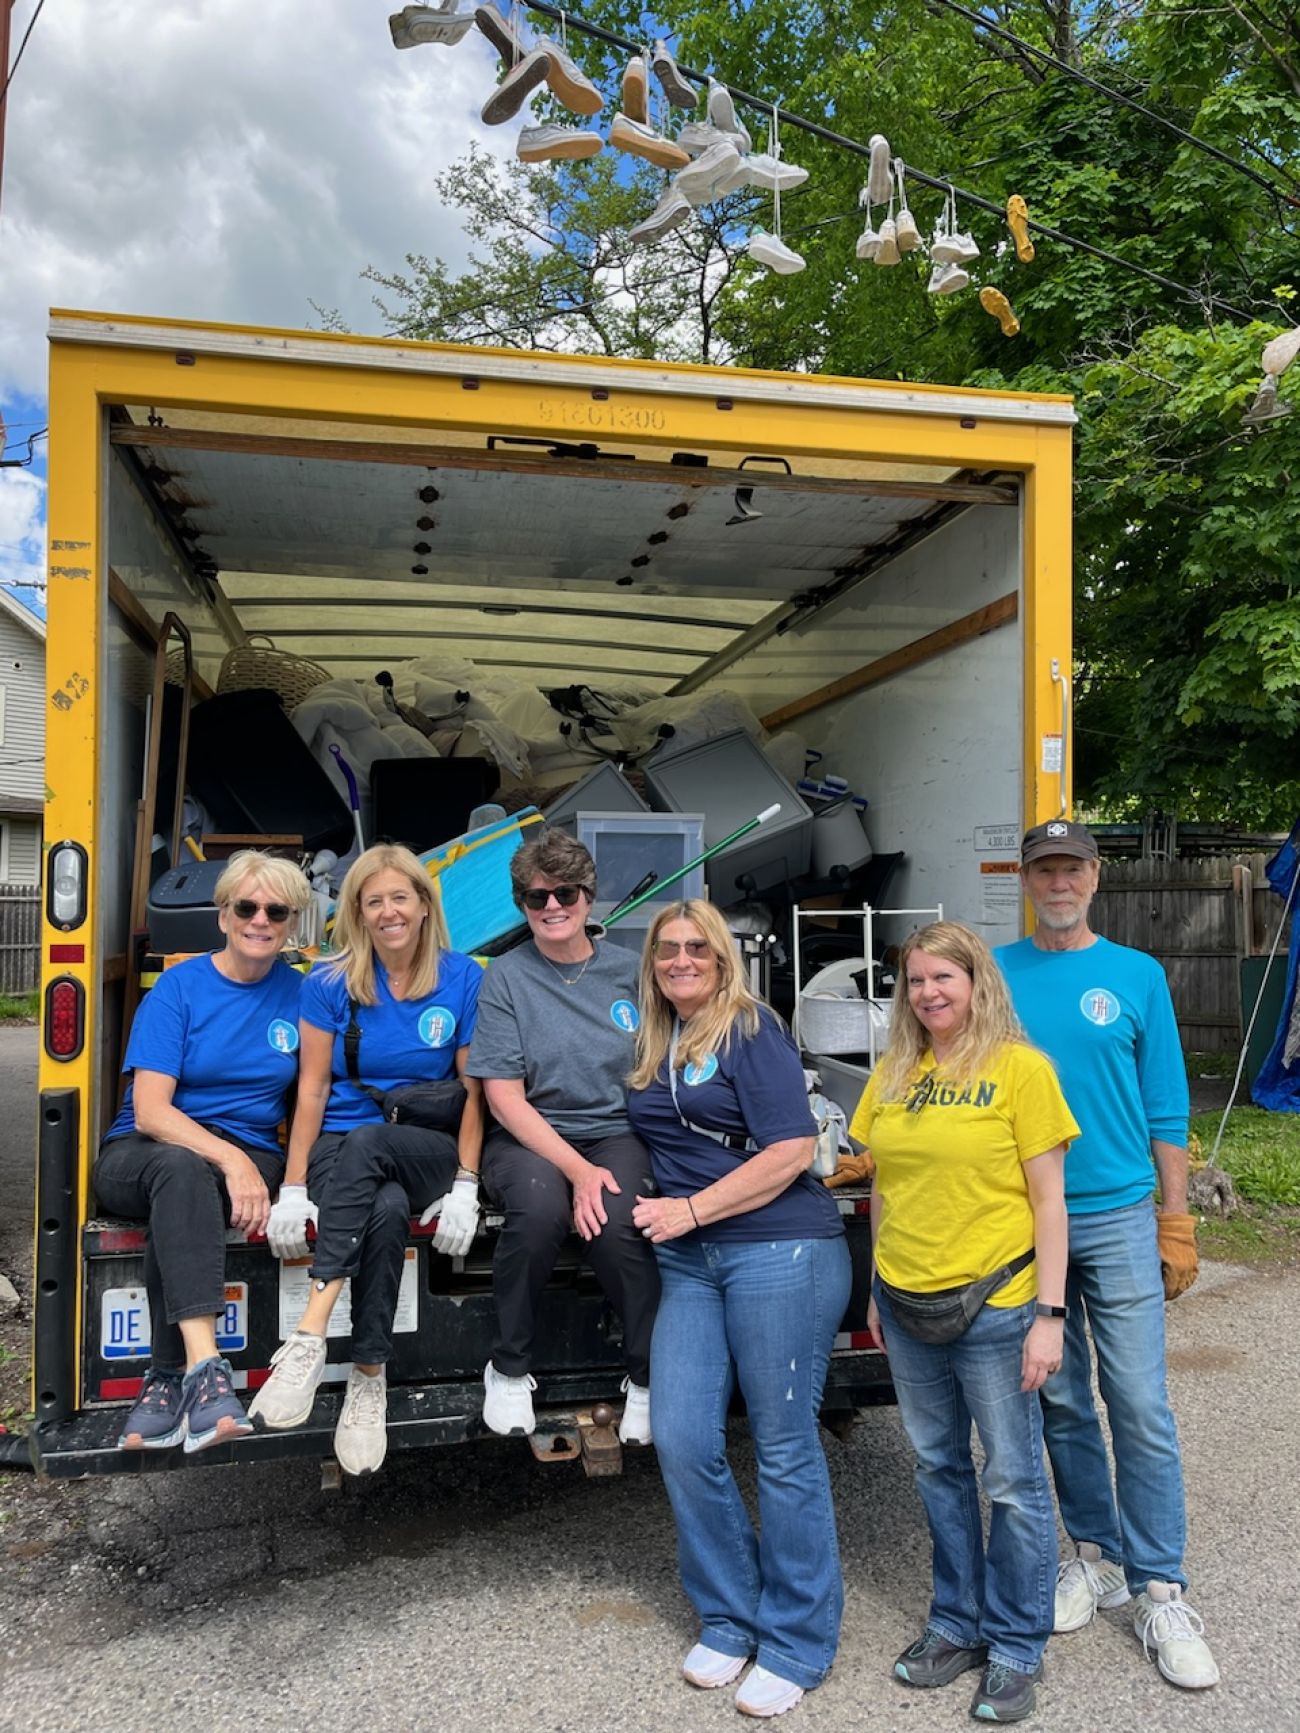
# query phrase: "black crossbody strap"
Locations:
[[352, 1054], [728, 1140]]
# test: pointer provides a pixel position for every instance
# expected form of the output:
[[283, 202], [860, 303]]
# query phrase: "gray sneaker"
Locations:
[[361, 1436], [287, 1397], [157, 1421], [213, 1413], [932, 1660], [1005, 1695]]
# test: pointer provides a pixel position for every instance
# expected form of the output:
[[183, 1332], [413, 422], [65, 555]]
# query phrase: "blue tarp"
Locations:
[[1277, 1086]]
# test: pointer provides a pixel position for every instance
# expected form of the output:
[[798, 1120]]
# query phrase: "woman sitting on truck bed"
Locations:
[[554, 1046], [211, 1058], [396, 1008], [756, 1276]]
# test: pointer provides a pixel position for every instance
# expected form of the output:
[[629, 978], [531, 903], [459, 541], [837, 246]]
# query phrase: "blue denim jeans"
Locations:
[[1002, 1595], [762, 1314], [1114, 1282]]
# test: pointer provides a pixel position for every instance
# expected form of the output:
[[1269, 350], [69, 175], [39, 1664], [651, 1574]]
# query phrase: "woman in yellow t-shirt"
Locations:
[[968, 1129]]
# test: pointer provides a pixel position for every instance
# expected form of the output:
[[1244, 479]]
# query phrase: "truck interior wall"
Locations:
[[936, 749]]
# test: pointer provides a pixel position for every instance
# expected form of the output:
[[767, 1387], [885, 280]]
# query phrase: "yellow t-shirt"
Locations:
[[954, 1203]]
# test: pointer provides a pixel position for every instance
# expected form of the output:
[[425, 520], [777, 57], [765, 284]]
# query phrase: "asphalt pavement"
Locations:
[[477, 1590]]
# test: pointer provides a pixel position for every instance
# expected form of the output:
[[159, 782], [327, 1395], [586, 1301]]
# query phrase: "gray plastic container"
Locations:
[[604, 789], [730, 779]]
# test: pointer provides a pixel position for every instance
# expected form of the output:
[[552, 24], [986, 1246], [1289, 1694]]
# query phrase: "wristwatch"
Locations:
[[1042, 1311]]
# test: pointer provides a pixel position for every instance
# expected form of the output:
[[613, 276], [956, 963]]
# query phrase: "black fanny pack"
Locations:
[[947, 1313], [431, 1106]]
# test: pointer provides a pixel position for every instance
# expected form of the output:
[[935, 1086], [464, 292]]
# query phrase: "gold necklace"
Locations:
[[569, 980]]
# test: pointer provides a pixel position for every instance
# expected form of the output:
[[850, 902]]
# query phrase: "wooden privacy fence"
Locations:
[[1200, 918], [20, 938]]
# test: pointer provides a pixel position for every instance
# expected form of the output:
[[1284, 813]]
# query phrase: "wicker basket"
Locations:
[[258, 664]]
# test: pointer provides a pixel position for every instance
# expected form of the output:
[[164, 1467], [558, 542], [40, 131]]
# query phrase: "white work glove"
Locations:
[[286, 1229], [458, 1215]]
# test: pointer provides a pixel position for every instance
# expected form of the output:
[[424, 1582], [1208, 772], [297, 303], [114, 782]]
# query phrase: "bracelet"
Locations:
[[690, 1206], [466, 1172]]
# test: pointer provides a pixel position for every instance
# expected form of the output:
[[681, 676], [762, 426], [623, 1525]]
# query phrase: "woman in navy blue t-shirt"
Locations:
[[756, 1278], [212, 1056], [406, 1004]]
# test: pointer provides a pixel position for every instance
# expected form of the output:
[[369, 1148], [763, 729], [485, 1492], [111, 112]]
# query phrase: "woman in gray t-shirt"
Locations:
[[557, 1021]]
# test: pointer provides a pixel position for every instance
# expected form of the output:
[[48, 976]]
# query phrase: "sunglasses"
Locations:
[[667, 949], [920, 1094], [246, 908], [565, 895]]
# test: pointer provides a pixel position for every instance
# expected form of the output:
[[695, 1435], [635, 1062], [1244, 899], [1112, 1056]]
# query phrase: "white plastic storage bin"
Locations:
[[842, 1023], [627, 845], [729, 779], [604, 789]]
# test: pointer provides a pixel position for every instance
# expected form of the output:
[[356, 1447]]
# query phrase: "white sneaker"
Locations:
[[361, 1436], [638, 139], [568, 83], [516, 87], [718, 163], [670, 213], [697, 136], [710, 1668], [1083, 1584], [880, 176], [287, 1397], [770, 251], [962, 248], [443, 23], [722, 113], [909, 236], [634, 1427], [1170, 1632], [557, 144], [636, 90], [887, 250], [765, 1694], [868, 242], [679, 91], [759, 169], [501, 34], [947, 279], [508, 1403]]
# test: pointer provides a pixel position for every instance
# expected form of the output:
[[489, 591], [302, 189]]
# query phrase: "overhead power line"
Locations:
[[1203, 297], [21, 46]]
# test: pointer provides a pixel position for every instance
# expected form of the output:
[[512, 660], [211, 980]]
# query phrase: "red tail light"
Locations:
[[65, 1018]]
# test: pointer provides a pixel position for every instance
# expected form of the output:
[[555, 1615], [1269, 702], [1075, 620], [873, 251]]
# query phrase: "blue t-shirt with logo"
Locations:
[[402, 1040], [232, 1047], [1104, 1017], [754, 1088]]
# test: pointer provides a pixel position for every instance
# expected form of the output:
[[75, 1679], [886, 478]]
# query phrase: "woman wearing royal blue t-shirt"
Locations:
[[212, 1056], [756, 1278], [360, 1177]]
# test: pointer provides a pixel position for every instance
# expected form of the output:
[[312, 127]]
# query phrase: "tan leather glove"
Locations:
[[853, 1170], [1179, 1264]]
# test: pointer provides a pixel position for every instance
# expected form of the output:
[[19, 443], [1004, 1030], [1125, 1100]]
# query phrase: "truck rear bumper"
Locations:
[[419, 1416]]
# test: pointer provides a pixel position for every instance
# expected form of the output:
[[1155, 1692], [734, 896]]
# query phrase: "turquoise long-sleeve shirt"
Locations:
[[1104, 1016]]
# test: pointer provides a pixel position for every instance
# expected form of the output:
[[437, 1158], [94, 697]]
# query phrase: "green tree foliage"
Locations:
[[1188, 637]]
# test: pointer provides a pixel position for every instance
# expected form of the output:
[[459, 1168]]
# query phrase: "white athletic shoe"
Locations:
[[1083, 1584], [508, 1403], [634, 1427], [699, 182], [710, 1669], [766, 1694], [443, 24], [670, 213], [768, 250], [287, 1397], [361, 1436], [1172, 1635]]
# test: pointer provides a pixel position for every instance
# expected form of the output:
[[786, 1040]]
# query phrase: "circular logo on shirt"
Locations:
[[623, 1014], [436, 1026], [282, 1036], [1099, 1006], [700, 1072]]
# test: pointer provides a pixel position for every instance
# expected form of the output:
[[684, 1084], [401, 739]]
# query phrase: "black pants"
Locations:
[[538, 1205], [185, 1202], [367, 1183]]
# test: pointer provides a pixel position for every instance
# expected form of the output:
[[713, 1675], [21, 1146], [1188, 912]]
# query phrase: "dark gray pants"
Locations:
[[185, 1202], [538, 1205], [367, 1183]]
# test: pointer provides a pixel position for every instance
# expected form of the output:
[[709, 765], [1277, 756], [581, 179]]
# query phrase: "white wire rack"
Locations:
[[868, 916]]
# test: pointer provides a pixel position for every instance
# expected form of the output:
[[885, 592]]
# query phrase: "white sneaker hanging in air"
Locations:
[[679, 91], [638, 139], [722, 113], [770, 251], [442, 24], [761, 169], [558, 144], [868, 244], [906, 232], [963, 248], [636, 90], [880, 175], [516, 87], [947, 279], [887, 248], [568, 83], [670, 213]]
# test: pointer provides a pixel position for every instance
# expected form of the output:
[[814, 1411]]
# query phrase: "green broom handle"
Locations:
[[657, 889]]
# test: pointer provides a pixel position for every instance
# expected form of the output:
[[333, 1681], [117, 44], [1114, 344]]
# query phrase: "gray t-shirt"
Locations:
[[571, 1045]]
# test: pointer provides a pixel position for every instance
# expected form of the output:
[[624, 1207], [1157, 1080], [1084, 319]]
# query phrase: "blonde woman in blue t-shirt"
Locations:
[[968, 1129]]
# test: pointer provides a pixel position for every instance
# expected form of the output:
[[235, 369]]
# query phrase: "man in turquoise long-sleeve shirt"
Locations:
[[1102, 1012]]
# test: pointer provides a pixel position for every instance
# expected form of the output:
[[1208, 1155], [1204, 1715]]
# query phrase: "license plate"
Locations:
[[125, 1331], [295, 1288]]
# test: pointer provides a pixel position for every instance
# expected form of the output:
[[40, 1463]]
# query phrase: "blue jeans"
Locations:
[[762, 1314], [1002, 1596], [1115, 1282]]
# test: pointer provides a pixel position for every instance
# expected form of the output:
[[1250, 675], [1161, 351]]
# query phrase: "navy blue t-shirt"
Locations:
[[232, 1047], [402, 1040], [755, 1089]]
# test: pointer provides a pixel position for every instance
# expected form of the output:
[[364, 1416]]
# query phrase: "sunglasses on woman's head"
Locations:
[[565, 895], [246, 908], [667, 949]]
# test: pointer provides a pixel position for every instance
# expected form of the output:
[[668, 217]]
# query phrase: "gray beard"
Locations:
[[1058, 920]]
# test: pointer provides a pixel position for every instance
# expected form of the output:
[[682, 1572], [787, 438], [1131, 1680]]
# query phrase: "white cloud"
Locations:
[[223, 159]]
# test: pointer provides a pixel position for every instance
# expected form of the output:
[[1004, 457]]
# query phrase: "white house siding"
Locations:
[[22, 749]]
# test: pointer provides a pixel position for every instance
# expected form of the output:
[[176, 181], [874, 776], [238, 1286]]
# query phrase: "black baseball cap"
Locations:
[[1058, 836]]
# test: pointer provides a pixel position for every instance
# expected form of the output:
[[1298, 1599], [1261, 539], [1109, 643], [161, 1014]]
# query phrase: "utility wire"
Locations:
[[18, 57], [1203, 298], [1116, 96]]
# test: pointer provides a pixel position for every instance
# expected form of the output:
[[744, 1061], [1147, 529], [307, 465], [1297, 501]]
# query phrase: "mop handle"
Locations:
[[672, 878], [354, 793]]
